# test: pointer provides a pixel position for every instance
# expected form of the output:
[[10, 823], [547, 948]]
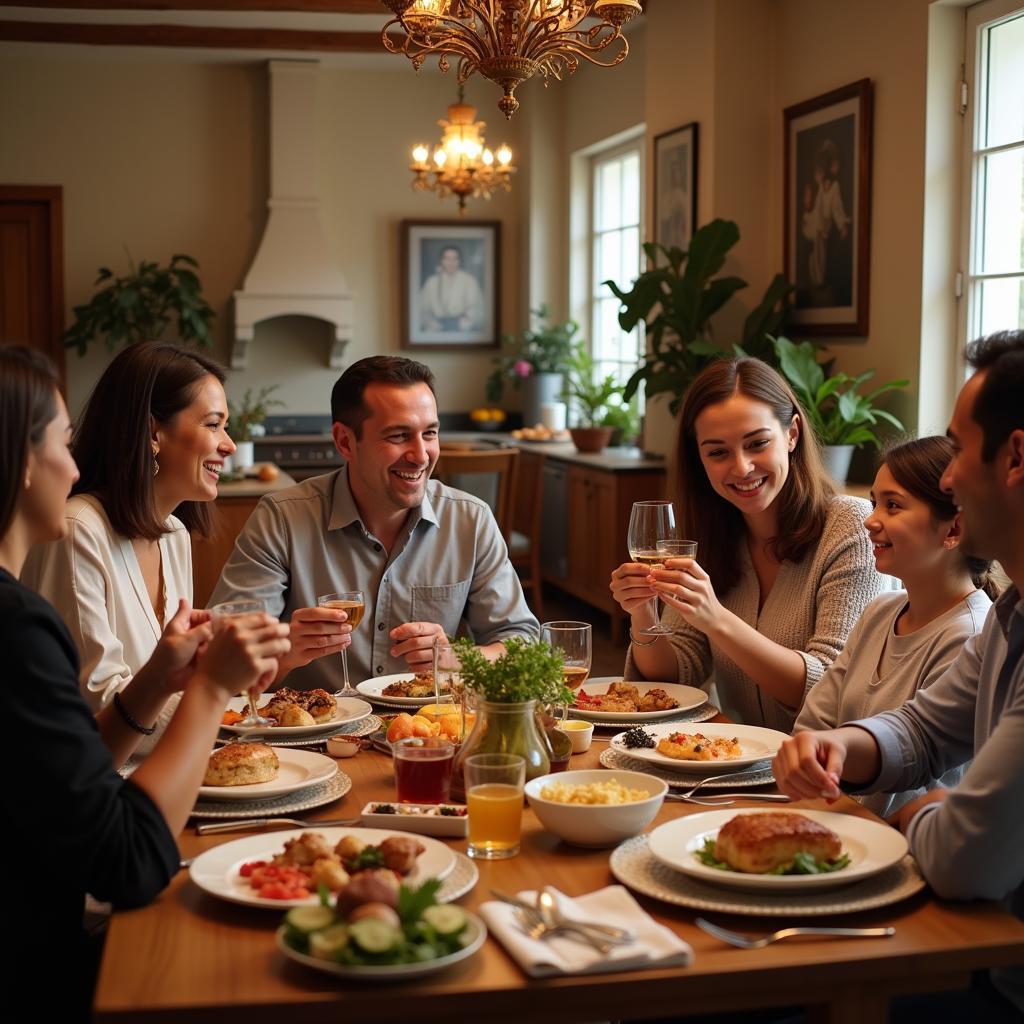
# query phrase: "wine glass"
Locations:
[[351, 602], [448, 672], [651, 522], [574, 641], [220, 613]]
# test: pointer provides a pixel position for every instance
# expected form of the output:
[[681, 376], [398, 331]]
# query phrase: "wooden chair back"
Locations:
[[503, 462]]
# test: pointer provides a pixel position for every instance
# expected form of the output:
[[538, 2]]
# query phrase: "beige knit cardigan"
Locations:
[[811, 609]]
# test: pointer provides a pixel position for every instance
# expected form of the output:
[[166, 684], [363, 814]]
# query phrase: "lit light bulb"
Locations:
[[440, 157], [504, 155], [488, 157], [420, 154]]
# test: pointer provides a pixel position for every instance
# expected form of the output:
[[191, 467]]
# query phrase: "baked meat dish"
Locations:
[[421, 685], [626, 698], [685, 746], [763, 842], [241, 764], [284, 705]]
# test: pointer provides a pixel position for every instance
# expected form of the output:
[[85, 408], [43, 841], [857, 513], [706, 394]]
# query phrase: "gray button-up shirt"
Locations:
[[971, 846], [449, 564]]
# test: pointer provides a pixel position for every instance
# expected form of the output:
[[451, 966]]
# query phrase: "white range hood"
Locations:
[[294, 273]]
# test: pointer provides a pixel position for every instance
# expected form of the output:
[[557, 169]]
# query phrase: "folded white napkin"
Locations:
[[655, 945]]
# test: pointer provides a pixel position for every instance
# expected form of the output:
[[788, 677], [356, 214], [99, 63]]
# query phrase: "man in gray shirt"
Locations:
[[425, 556], [968, 840]]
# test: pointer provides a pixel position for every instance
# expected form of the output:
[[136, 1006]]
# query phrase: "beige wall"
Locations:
[[167, 156]]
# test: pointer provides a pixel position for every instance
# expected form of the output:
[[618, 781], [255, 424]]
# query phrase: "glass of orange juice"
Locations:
[[494, 798]]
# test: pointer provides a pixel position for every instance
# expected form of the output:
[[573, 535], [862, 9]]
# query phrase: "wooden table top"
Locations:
[[191, 957]]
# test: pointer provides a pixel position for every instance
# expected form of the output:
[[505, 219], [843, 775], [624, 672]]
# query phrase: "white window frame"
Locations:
[[980, 17]]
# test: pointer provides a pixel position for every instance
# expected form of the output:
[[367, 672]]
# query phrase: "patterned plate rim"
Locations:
[[702, 714], [463, 879], [615, 759], [290, 803], [662, 883], [364, 727]]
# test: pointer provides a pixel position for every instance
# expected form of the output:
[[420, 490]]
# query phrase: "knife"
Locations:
[[257, 824]]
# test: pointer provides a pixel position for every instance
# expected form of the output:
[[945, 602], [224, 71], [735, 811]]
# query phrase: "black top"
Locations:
[[72, 824]]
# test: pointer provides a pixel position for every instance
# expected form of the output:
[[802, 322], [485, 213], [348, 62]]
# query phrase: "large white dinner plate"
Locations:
[[349, 710], [473, 937], [756, 743], [217, 871], [688, 697], [872, 846], [299, 769], [372, 688]]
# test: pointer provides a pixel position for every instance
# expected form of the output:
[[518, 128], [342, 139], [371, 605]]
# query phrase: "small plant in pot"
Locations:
[[246, 422], [841, 419], [592, 397]]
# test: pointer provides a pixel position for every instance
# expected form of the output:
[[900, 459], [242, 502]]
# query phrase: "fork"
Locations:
[[750, 942], [727, 799], [537, 928], [257, 824]]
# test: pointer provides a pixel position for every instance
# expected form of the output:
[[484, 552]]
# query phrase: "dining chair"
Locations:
[[490, 475], [524, 541]]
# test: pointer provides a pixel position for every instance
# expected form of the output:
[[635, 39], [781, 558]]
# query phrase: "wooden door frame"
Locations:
[[53, 197]]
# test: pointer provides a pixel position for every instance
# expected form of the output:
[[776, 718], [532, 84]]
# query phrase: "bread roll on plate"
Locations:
[[241, 764]]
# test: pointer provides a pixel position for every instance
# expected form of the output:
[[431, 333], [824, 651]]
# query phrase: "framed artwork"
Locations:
[[450, 284], [828, 210], [675, 186]]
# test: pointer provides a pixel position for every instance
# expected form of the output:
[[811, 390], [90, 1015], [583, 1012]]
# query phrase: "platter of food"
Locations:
[[711, 749], [777, 851], [286, 868], [297, 713], [610, 699], [401, 690], [759, 774], [256, 771], [291, 803]]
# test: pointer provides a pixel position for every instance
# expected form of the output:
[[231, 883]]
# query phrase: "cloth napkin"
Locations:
[[655, 945]]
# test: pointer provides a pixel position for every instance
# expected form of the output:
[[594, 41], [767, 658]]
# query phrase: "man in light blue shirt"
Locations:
[[969, 840], [426, 557]]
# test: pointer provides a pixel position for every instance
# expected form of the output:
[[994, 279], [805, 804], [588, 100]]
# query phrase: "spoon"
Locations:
[[552, 919]]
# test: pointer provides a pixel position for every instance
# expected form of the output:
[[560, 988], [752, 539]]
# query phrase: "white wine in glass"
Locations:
[[352, 604], [650, 523], [219, 613]]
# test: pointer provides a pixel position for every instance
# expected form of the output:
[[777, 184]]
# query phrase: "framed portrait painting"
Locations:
[[828, 210], [450, 284], [675, 186]]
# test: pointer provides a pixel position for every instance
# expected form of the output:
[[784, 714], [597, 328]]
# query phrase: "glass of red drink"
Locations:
[[423, 769]]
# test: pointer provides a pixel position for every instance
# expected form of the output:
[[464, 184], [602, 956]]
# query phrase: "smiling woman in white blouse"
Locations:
[[150, 448]]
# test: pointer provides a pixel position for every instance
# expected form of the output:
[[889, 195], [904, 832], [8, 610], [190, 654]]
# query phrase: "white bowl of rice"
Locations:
[[594, 807]]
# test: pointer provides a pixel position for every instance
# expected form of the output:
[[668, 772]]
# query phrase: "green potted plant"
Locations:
[[141, 305], [246, 422], [841, 419], [534, 361], [508, 693], [591, 396], [677, 297], [624, 419]]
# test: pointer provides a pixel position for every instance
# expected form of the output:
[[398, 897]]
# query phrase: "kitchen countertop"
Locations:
[[253, 487], [614, 460]]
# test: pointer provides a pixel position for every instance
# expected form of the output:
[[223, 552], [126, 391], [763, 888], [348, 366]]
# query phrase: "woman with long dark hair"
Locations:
[[150, 448], [88, 829], [906, 639], [783, 567]]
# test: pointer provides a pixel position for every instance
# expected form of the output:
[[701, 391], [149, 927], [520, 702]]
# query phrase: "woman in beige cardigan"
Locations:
[[150, 445], [783, 568]]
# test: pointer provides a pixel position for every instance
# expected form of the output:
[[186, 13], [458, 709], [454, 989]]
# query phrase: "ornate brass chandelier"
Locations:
[[509, 41], [462, 165]]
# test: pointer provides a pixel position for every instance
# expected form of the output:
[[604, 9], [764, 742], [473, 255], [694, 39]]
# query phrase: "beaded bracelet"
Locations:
[[636, 643], [130, 718]]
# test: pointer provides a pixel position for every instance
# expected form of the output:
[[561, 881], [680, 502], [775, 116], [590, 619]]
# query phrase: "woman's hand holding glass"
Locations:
[[687, 588], [184, 640], [243, 654], [632, 590]]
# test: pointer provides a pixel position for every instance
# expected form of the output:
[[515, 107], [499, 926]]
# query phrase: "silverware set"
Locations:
[[544, 919]]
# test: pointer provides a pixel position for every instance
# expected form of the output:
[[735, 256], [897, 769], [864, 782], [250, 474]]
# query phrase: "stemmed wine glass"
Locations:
[[651, 523], [574, 641], [448, 672], [219, 613], [351, 602]]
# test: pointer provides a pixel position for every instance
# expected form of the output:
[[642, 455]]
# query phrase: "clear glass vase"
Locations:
[[504, 729]]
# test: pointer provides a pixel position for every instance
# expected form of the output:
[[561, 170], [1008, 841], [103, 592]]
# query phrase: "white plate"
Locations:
[[632, 864], [299, 769], [349, 710], [872, 848], [474, 937], [292, 803], [371, 688], [217, 871], [689, 697], [757, 744]]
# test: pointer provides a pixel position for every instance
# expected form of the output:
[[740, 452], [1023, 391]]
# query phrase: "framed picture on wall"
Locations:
[[828, 210], [450, 284], [675, 186]]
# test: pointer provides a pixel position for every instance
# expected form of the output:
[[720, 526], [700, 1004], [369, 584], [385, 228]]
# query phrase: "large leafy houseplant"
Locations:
[[677, 300], [591, 395], [141, 305], [839, 415], [545, 347]]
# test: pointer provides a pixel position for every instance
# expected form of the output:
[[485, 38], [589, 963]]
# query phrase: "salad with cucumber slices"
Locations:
[[411, 929]]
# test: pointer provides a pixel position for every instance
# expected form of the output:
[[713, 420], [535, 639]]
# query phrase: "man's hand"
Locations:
[[901, 819], [314, 633], [809, 765], [414, 641]]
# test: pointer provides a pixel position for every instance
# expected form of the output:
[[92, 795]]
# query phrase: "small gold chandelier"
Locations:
[[509, 41], [462, 165]]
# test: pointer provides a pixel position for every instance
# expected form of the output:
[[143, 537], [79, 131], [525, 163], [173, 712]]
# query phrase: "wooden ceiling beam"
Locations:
[[195, 36], [240, 6]]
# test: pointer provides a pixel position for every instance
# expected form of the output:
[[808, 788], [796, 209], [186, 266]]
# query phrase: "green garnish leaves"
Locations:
[[802, 863], [412, 902], [528, 670]]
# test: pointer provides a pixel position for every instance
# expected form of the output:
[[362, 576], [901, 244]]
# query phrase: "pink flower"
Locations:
[[521, 368]]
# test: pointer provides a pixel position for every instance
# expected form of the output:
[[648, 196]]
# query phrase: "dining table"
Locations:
[[191, 957]]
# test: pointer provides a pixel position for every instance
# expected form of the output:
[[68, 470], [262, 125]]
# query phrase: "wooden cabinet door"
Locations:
[[209, 555], [578, 532]]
